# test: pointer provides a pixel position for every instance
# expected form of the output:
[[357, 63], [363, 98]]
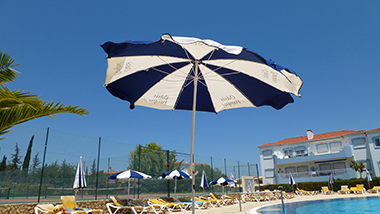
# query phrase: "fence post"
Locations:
[[43, 165], [212, 175], [27, 189], [167, 163], [225, 167], [258, 178], [138, 181], [239, 176], [249, 170], [97, 171], [108, 169]]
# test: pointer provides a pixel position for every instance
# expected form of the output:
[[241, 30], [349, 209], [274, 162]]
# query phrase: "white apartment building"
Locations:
[[314, 156]]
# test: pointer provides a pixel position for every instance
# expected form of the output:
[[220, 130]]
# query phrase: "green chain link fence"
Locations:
[[60, 152]]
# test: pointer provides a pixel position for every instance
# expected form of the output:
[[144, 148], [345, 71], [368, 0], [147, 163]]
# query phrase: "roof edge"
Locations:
[[322, 136]]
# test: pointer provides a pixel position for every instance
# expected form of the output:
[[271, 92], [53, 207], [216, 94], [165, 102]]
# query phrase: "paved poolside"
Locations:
[[248, 207]]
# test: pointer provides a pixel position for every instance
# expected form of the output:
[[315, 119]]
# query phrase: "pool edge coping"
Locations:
[[254, 210]]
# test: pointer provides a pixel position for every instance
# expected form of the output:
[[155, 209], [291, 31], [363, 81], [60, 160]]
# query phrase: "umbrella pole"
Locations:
[[128, 185], [175, 185], [192, 167]]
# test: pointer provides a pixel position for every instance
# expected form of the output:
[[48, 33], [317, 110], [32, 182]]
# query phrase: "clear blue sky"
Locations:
[[334, 46]]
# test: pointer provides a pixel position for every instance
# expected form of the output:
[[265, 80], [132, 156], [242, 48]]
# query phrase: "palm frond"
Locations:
[[12, 98], [23, 113], [7, 73]]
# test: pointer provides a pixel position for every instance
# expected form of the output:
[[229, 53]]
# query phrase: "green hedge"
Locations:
[[317, 186]]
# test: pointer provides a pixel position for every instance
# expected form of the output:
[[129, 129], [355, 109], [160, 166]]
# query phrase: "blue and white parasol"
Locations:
[[204, 183], [80, 178], [194, 74], [291, 179], [129, 174], [176, 175], [222, 181]]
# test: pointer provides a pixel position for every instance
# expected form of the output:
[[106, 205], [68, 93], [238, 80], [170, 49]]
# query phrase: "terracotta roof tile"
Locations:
[[316, 137], [371, 130]]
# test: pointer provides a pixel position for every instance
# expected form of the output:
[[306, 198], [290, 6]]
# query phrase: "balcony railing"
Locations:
[[314, 173], [278, 159]]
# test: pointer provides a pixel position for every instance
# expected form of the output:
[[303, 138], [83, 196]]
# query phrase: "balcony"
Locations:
[[318, 175], [346, 152]]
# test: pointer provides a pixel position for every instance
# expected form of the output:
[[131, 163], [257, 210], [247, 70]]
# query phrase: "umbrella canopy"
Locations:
[[331, 179], [291, 180], [204, 183], [164, 74], [80, 178], [222, 181], [129, 174], [175, 174], [198, 75]]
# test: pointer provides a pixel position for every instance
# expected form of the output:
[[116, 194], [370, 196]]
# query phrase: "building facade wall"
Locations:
[[315, 160], [373, 139]]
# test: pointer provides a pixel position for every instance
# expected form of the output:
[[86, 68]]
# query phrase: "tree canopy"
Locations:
[[152, 160]]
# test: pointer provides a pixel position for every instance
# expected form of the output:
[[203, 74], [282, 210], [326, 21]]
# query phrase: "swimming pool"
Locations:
[[331, 206]]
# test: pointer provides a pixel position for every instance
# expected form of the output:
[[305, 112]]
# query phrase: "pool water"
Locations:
[[331, 206]]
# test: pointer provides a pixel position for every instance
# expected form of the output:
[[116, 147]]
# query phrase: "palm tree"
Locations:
[[357, 166], [361, 166], [19, 106]]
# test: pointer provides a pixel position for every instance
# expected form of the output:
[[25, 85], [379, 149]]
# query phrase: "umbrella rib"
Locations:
[[220, 67], [164, 72], [186, 52], [160, 70], [192, 79], [167, 63], [156, 69], [213, 51]]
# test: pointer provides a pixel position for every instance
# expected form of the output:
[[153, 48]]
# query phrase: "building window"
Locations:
[[290, 169], [358, 143], [376, 141], [267, 154], [300, 151], [336, 146], [339, 168], [303, 171], [269, 173], [325, 169], [288, 152], [322, 148]]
